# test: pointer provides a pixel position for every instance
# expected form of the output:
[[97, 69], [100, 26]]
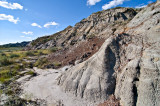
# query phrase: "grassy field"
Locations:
[[14, 60], [9, 49]]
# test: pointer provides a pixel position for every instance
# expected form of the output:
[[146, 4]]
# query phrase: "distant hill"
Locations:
[[22, 44]]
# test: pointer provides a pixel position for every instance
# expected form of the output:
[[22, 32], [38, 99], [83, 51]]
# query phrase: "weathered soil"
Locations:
[[80, 52]]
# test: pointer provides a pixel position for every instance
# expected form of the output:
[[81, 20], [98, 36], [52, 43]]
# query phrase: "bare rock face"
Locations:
[[138, 82], [93, 79], [127, 65]]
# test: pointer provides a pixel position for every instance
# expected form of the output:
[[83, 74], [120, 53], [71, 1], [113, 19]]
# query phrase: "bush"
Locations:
[[29, 53], [4, 61], [3, 54], [14, 55], [27, 64], [18, 67], [57, 64], [40, 53], [54, 49], [41, 62], [6, 75], [91, 36]]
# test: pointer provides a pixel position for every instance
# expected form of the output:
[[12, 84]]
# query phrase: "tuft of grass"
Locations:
[[57, 64], [40, 53], [14, 55], [29, 53], [41, 62], [91, 36], [18, 67], [5, 61], [6, 75], [53, 49], [31, 73]]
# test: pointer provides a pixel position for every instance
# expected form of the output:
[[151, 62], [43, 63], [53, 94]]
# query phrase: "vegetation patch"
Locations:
[[31, 73], [6, 75], [54, 49], [41, 62], [91, 36], [14, 55], [4, 61], [29, 53]]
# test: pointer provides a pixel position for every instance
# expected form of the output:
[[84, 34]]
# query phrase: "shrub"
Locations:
[[54, 49], [6, 75], [14, 55], [18, 67], [91, 36], [40, 53], [41, 62], [27, 64], [29, 53], [4, 61], [57, 64]]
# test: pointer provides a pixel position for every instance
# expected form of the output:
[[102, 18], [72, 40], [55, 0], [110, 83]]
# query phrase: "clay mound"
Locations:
[[93, 79]]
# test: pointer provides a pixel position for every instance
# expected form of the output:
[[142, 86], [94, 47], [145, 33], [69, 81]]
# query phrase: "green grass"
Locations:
[[40, 63], [6, 75], [53, 49], [10, 49], [12, 62], [14, 55], [5, 61], [57, 64], [91, 36], [31, 73]]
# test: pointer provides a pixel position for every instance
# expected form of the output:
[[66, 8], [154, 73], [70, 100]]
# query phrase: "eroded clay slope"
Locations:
[[127, 65], [89, 27]]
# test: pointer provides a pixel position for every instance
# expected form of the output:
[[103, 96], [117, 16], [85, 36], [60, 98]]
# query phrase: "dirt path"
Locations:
[[44, 86]]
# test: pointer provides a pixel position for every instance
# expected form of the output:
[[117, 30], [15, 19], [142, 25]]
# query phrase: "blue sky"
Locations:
[[25, 20]]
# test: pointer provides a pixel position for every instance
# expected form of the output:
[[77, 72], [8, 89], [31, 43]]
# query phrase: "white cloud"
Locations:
[[150, 2], [92, 2], [9, 18], [36, 25], [47, 25], [7, 5], [28, 33], [26, 9], [141, 6], [112, 3]]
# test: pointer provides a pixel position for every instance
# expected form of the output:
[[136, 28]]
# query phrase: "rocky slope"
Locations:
[[78, 43], [127, 66], [97, 24]]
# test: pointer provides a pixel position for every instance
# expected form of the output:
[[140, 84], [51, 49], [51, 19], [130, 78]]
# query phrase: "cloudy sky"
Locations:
[[25, 20]]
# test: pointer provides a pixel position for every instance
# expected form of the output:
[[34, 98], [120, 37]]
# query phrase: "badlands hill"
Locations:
[[115, 57]]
